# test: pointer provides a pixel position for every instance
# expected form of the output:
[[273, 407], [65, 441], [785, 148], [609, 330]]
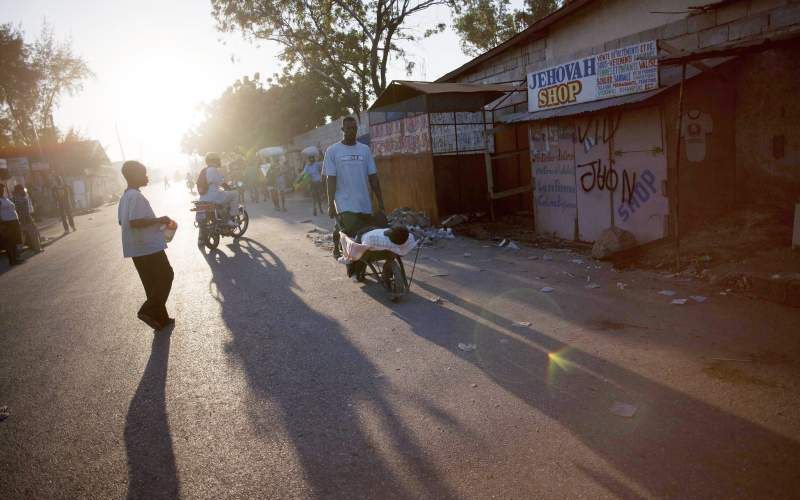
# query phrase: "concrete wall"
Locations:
[[610, 24], [768, 127]]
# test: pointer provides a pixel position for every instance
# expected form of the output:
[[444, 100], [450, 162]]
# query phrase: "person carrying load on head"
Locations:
[[351, 172], [211, 187]]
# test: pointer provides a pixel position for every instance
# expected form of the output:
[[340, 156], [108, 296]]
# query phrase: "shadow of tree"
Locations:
[[301, 362], [151, 461]]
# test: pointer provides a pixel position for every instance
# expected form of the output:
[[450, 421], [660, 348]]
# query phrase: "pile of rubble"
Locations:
[[321, 238], [419, 224]]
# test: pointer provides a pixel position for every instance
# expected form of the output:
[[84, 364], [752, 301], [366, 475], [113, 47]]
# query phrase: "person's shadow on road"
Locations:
[[151, 461], [301, 363]]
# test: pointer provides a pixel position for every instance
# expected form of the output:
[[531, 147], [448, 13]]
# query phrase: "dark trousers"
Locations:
[[316, 196], [156, 275], [9, 237], [65, 212]]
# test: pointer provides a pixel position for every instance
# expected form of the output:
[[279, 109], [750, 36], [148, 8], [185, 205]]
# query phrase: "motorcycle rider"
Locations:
[[216, 188]]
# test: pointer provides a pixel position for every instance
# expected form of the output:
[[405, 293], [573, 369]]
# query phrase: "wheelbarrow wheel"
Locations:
[[394, 279]]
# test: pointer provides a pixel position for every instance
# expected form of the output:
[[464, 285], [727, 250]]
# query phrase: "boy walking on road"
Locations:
[[144, 243]]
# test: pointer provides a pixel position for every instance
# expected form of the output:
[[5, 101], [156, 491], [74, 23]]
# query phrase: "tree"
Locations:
[[345, 43], [485, 24], [17, 78], [254, 114], [33, 78]]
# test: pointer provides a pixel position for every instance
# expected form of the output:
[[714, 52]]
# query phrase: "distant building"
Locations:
[[83, 165]]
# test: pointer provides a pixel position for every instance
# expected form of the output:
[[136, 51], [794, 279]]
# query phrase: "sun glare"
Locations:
[[157, 103]]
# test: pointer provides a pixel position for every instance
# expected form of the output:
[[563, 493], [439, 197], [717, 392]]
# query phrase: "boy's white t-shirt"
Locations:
[[137, 242], [352, 166]]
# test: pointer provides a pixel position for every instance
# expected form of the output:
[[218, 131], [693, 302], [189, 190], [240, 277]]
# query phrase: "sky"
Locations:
[[155, 62]]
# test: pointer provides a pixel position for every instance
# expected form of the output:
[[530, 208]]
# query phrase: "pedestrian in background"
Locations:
[[25, 212], [62, 195], [313, 169], [143, 241], [282, 182], [9, 226]]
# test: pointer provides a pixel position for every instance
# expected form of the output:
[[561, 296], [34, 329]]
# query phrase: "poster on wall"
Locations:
[[459, 132], [617, 72], [406, 136], [553, 164], [18, 167]]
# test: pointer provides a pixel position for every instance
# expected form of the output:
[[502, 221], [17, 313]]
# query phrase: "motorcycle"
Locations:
[[210, 220]]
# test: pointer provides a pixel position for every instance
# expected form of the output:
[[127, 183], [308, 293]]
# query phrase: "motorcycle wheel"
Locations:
[[243, 221], [212, 241]]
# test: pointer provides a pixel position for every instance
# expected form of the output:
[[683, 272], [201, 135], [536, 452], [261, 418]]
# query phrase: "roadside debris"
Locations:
[[624, 410], [304, 221], [4, 413], [698, 298], [533, 257], [667, 293], [467, 347], [611, 241], [409, 217], [592, 286], [439, 275], [454, 220], [577, 261], [321, 238], [467, 254], [508, 244], [437, 300], [679, 302], [547, 289], [621, 285], [522, 324]]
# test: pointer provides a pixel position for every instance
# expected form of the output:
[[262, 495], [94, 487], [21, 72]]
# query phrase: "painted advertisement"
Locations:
[[617, 72], [407, 136], [553, 163]]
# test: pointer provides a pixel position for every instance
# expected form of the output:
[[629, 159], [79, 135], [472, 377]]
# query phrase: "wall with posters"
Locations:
[[406, 136]]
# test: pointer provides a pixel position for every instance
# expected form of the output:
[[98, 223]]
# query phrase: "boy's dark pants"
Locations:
[[156, 275]]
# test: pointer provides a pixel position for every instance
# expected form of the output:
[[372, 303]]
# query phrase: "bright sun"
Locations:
[[157, 104]]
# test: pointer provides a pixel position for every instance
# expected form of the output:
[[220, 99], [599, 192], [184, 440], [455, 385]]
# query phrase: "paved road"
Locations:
[[282, 379]]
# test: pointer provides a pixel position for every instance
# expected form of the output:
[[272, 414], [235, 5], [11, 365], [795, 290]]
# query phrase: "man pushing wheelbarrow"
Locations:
[[351, 172]]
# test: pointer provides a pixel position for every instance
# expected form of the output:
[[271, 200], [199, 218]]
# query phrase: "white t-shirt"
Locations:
[[695, 126], [8, 211], [352, 166], [215, 181], [137, 242]]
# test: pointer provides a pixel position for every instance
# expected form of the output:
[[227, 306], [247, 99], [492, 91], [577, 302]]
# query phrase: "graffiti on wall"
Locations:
[[602, 176], [642, 191]]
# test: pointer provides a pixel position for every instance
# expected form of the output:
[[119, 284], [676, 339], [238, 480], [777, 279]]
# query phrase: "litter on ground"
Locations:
[[698, 298], [547, 289], [522, 324], [667, 293], [592, 286], [625, 410], [678, 302], [467, 347]]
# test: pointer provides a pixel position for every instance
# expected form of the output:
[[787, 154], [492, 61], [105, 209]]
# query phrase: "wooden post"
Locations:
[[678, 172]]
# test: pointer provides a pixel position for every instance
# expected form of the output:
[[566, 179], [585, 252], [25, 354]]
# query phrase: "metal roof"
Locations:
[[534, 30], [464, 96]]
